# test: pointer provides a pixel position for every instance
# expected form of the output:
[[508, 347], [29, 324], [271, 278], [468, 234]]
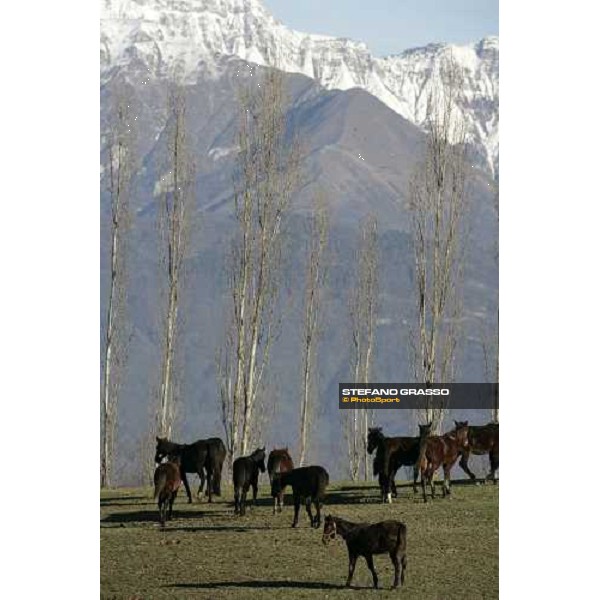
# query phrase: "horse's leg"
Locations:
[[236, 497], [403, 561], [280, 501], [318, 518], [494, 463], [254, 492], [296, 510], [309, 511], [415, 478], [431, 473], [464, 464], [423, 478], [386, 489], [171, 500], [209, 483], [351, 566], [275, 501], [393, 484], [396, 563], [369, 558], [446, 488], [162, 509], [187, 486], [244, 494], [201, 474]]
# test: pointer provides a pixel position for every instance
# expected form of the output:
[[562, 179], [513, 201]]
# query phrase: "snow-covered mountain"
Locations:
[[187, 38]]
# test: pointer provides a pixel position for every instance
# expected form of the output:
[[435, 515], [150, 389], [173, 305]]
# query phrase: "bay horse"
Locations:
[[393, 453], [279, 461], [245, 474], [167, 480], [195, 458], [441, 451], [483, 439], [363, 539], [308, 484]]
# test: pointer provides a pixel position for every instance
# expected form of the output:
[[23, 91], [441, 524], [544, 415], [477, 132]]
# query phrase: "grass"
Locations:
[[208, 552]]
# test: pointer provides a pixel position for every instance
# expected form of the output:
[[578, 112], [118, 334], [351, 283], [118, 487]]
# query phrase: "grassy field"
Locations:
[[208, 552]]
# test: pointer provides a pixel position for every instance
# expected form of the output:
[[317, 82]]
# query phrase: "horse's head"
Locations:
[[374, 437], [425, 430], [461, 432], [258, 456], [329, 530], [163, 446]]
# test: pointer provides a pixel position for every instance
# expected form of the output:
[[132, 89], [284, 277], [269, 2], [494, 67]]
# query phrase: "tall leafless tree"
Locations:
[[363, 315], [317, 235], [438, 207], [119, 166], [267, 176], [490, 341], [177, 193]]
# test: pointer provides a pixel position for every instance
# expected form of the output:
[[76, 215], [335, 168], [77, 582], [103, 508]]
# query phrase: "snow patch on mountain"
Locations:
[[185, 38]]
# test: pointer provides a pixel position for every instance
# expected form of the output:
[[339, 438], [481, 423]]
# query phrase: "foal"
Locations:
[[167, 479], [442, 451], [366, 540]]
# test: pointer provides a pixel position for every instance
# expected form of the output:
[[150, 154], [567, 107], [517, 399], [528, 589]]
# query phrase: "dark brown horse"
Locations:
[[246, 470], [392, 453], [483, 439], [441, 451], [279, 461], [167, 479], [363, 539], [308, 485]]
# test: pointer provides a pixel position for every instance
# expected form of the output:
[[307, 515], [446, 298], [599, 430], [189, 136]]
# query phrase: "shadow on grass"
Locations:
[[231, 528], [124, 500], [145, 516], [308, 585]]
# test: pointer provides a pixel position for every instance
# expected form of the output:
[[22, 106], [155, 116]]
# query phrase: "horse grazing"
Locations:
[[195, 458], [167, 479], [245, 474], [392, 453], [483, 439], [363, 539], [441, 451], [279, 461], [308, 484]]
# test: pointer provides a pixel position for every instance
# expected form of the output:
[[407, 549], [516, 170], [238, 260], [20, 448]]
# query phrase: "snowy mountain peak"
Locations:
[[185, 37]]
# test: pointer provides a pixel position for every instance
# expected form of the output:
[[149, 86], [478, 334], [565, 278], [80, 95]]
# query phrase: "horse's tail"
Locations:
[[422, 459], [323, 483], [401, 537], [160, 482]]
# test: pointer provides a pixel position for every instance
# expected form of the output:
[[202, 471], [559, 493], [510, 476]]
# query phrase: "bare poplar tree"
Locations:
[[490, 344], [363, 315], [318, 231], [267, 176], [118, 171], [438, 208], [177, 192]]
